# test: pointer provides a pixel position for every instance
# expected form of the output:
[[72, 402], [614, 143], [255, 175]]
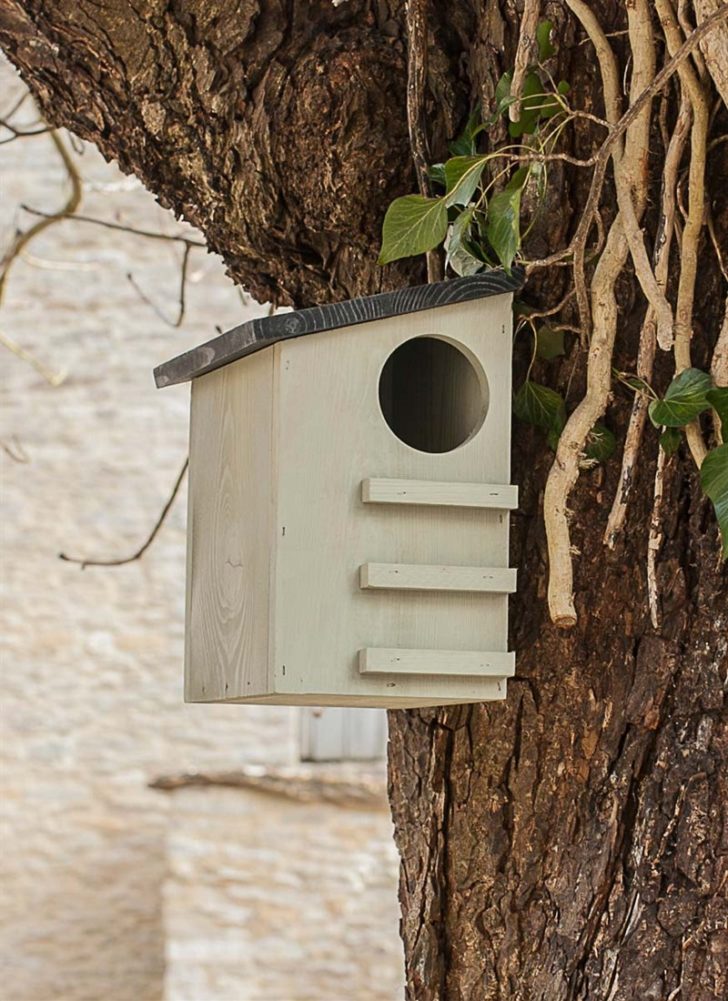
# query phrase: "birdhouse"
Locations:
[[348, 501]]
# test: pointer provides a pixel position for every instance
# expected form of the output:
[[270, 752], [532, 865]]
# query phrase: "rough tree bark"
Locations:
[[571, 843]]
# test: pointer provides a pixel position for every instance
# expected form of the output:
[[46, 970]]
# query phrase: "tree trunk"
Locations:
[[570, 843]]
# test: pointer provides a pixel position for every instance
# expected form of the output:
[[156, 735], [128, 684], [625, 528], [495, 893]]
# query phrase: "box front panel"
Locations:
[[334, 434]]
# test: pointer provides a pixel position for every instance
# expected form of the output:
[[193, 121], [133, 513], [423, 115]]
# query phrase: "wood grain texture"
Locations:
[[230, 546], [503, 497], [259, 333], [416, 577], [456, 663]]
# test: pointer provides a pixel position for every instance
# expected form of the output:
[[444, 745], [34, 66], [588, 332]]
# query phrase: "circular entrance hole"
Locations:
[[432, 395]]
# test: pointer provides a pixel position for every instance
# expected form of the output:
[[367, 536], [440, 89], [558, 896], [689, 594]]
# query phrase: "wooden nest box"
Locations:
[[348, 501]]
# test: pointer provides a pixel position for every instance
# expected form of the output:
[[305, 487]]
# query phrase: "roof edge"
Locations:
[[261, 332]]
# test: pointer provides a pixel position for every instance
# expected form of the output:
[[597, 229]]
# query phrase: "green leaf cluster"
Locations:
[[544, 408], [413, 225], [478, 219], [536, 105], [684, 400], [480, 225], [689, 395], [481, 232], [714, 481]]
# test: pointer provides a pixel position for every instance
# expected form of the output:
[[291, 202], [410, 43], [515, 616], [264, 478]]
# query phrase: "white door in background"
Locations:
[[334, 734]]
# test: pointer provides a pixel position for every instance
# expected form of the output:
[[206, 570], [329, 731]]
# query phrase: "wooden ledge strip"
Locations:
[[463, 663], [419, 577], [433, 492]]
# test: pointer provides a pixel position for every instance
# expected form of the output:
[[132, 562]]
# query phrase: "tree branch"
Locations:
[[565, 469], [648, 333], [137, 554], [74, 200], [177, 321], [150, 234], [655, 539], [416, 20], [619, 129], [524, 54], [696, 211]]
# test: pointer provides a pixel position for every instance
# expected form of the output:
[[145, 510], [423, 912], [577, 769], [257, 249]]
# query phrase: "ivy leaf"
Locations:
[[718, 400], [436, 173], [521, 308], [553, 439], [550, 107], [601, 443], [503, 228], [503, 93], [549, 342], [462, 177], [460, 257], [543, 407], [519, 178], [670, 440], [532, 101], [543, 38], [412, 225], [464, 145], [684, 400], [714, 481]]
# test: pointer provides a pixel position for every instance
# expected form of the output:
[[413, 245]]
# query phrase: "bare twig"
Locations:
[[150, 234], [648, 338], [719, 364], [536, 157], [15, 450], [696, 209], [719, 370], [565, 470], [74, 200], [722, 264], [524, 54], [416, 19], [688, 27], [553, 310], [655, 539], [52, 378], [20, 133], [177, 321], [17, 105], [634, 123], [619, 129], [629, 173], [137, 555]]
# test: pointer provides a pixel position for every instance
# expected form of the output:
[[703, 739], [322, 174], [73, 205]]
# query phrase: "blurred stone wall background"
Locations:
[[92, 660]]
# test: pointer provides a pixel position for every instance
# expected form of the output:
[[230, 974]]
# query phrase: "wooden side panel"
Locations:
[[416, 577], [502, 497], [229, 532], [333, 436]]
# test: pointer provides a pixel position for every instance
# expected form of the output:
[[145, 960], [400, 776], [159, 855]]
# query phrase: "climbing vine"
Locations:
[[481, 204]]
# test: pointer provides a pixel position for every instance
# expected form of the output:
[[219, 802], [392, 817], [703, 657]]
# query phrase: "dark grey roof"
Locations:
[[259, 333]]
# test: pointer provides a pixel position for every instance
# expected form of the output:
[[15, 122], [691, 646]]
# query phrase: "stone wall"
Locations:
[[282, 890], [92, 660]]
